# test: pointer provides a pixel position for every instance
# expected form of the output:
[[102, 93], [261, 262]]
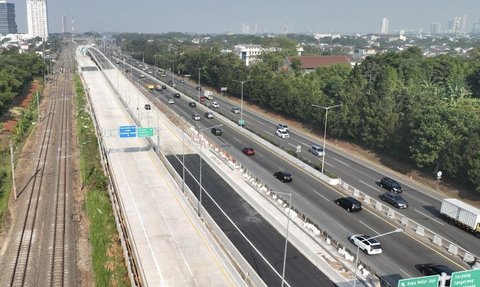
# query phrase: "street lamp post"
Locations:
[[200, 179], [241, 99], [199, 88], [286, 236], [155, 64], [325, 130], [358, 247]]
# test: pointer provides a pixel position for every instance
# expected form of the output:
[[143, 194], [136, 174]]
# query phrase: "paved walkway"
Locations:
[[168, 237]]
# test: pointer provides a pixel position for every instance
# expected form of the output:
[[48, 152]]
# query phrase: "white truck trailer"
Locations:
[[461, 214]]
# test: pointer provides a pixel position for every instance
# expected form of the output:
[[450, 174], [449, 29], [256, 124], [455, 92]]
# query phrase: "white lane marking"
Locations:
[[429, 217], [318, 193], [371, 186], [368, 227], [290, 144], [344, 163], [235, 139], [404, 272], [305, 144]]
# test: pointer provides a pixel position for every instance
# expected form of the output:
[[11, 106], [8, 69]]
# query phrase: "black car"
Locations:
[[170, 82], [217, 131], [390, 185], [176, 95], [192, 104], [349, 203], [434, 269], [198, 88], [394, 199], [164, 87], [283, 176]]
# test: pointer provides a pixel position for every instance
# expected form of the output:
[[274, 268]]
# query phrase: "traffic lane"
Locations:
[[266, 168], [299, 271], [317, 204]]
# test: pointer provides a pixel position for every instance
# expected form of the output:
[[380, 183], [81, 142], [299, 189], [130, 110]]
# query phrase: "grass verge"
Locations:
[[107, 255]]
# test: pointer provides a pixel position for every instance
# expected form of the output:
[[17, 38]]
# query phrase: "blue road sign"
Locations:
[[127, 131]]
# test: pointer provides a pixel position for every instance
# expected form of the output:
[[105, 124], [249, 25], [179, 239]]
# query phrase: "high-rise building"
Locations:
[[37, 18], [435, 28], [7, 18], [384, 29], [64, 24], [454, 25]]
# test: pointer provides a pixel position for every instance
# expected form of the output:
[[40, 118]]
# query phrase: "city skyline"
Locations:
[[214, 16]]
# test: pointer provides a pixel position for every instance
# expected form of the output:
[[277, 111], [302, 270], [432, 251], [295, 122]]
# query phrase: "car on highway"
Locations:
[[182, 81], [192, 104], [209, 115], [349, 203], [282, 127], [283, 176], [394, 199], [390, 185], [366, 243], [283, 134], [171, 101], [176, 95], [198, 88], [215, 105], [235, 110], [434, 269], [142, 76], [217, 131], [248, 150], [196, 117], [170, 82], [316, 150], [164, 87]]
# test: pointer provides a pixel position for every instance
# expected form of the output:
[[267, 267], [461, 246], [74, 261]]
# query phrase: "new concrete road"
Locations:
[[299, 271], [401, 252]]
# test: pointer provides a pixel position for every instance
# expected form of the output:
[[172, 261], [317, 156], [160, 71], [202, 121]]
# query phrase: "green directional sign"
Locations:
[[469, 278], [426, 281], [241, 122], [145, 132]]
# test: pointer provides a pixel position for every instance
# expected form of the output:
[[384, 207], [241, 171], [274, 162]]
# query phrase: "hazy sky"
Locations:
[[219, 16]]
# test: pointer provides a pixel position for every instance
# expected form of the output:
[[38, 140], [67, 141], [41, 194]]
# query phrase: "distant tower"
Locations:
[[454, 25], [285, 29], [37, 18], [384, 29], [435, 28], [463, 25], [64, 24], [7, 18]]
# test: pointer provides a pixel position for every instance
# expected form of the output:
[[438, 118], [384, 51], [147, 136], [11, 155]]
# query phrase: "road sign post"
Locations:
[[127, 131], [426, 281], [145, 132], [469, 278]]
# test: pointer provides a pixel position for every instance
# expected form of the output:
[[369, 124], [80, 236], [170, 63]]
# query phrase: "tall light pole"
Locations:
[[200, 180], [325, 130], [241, 100], [199, 88], [358, 247], [155, 65], [286, 236]]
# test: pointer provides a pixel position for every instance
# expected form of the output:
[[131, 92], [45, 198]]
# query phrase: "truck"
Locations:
[[150, 87], [461, 214], [208, 95]]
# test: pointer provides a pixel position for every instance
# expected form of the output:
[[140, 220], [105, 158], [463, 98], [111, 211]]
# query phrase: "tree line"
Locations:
[[16, 73], [425, 110]]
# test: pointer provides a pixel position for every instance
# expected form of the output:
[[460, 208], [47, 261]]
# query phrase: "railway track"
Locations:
[[44, 230]]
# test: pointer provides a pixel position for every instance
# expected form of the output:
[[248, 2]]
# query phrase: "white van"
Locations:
[[316, 150], [208, 95]]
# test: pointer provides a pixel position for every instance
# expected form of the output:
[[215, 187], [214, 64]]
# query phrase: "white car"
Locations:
[[283, 134], [282, 127], [171, 101], [215, 105], [196, 117], [367, 244]]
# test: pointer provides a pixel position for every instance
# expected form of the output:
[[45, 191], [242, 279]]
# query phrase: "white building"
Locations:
[[248, 53], [37, 18], [384, 29]]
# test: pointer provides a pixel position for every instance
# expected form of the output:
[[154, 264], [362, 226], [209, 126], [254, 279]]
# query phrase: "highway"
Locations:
[[299, 271], [315, 198]]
